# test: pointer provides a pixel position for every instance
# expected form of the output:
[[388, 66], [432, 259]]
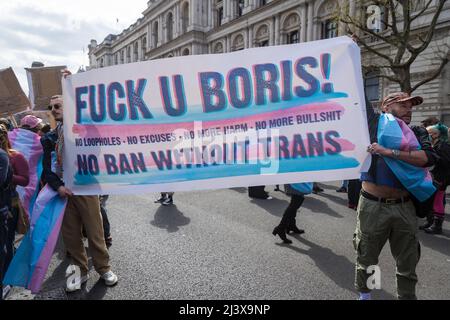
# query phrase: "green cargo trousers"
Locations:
[[376, 223]]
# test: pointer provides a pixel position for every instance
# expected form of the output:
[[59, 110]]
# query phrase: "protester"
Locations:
[[20, 178], [5, 206], [344, 187], [441, 177], [31, 123], [430, 121], [165, 199], [7, 123], [106, 225], [317, 188], [385, 209], [258, 192], [287, 224], [80, 211]]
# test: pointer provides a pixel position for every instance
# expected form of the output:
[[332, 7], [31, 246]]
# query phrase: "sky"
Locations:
[[57, 32]]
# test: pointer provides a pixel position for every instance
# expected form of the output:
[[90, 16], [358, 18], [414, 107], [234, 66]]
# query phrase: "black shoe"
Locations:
[[167, 202], [342, 190], [294, 229], [281, 232], [161, 199], [427, 224], [436, 228], [316, 190]]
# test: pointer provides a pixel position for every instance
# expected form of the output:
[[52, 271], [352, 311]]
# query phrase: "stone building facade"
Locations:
[[171, 28]]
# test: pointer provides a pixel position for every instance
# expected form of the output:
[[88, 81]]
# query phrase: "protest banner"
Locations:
[[12, 97], [44, 82], [273, 115]]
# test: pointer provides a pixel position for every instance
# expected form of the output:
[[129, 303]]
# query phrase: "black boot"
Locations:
[[293, 228], [436, 228], [281, 232], [428, 223]]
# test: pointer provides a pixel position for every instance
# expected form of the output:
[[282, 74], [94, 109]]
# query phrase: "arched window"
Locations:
[[218, 48], [329, 24], [262, 36], [185, 17], [291, 28], [186, 52], [238, 43], [169, 26], [155, 33]]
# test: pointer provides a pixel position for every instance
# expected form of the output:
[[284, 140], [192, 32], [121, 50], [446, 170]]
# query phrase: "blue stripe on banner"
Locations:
[[22, 266], [155, 176]]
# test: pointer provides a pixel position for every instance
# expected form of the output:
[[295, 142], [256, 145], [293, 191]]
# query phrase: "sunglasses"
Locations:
[[55, 106]]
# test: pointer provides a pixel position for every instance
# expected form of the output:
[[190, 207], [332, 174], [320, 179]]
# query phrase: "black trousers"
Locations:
[[3, 239], [291, 211], [354, 188], [106, 225], [257, 192]]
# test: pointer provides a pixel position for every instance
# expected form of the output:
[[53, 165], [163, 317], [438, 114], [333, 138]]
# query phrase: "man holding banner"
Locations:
[[396, 177], [80, 211]]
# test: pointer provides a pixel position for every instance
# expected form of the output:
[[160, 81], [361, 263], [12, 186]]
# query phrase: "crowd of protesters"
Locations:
[[386, 210]]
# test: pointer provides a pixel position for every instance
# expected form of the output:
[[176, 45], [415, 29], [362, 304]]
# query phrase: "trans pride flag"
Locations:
[[393, 133], [30, 263], [28, 143]]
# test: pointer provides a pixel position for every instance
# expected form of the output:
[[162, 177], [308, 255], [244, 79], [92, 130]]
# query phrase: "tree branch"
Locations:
[[433, 76], [431, 29]]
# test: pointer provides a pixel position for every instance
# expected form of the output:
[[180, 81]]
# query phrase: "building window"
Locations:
[[122, 55], [101, 63], [293, 37], [155, 34], [136, 52], [129, 54], [218, 48], [186, 52], [264, 43], [169, 27], [372, 86], [144, 47], [185, 17], [219, 16], [240, 7], [262, 3], [329, 29], [116, 58]]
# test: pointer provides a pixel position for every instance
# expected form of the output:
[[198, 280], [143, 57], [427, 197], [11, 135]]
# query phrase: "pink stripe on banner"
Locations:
[[120, 131], [44, 260]]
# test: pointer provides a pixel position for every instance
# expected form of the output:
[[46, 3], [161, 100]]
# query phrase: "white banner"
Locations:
[[261, 116]]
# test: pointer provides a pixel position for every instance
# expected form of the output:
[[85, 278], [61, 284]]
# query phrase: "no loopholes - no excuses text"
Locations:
[[240, 88]]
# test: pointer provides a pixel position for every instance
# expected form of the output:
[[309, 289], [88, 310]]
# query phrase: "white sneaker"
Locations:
[[74, 284], [6, 290], [70, 270], [110, 278]]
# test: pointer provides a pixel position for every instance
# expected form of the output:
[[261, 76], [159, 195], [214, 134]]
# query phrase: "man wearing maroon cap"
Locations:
[[385, 210]]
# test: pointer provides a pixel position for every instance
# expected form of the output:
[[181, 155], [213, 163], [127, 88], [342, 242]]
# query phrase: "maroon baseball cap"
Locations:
[[401, 97]]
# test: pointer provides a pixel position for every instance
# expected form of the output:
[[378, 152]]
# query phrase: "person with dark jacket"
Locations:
[[386, 210], [441, 177], [297, 192], [5, 206]]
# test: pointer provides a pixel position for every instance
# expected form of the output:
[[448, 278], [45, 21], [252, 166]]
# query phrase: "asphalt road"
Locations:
[[218, 244]]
